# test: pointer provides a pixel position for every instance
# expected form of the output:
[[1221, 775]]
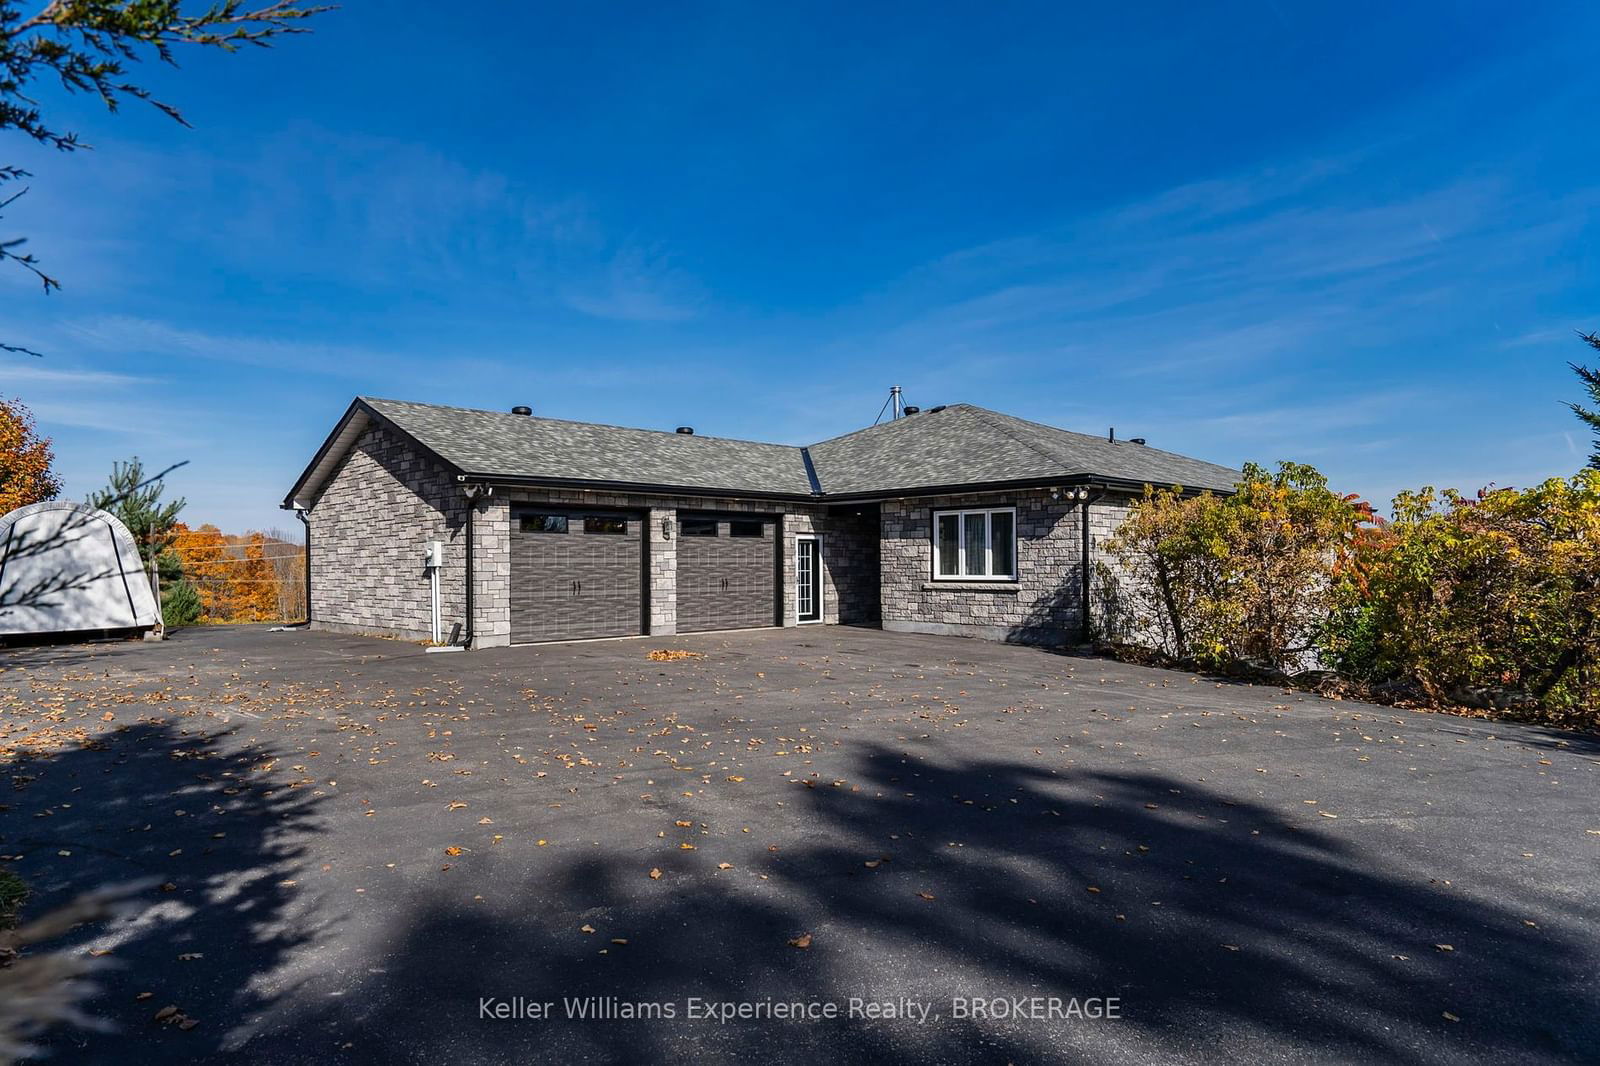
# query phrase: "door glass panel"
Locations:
[[600, 524], [806, 583], [976, 542], [697, 527], [543, 523], [949, 545], [1003, 543], [744, 528]]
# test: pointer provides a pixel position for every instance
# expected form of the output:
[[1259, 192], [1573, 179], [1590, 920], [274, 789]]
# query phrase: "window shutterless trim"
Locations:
[[961, 544]]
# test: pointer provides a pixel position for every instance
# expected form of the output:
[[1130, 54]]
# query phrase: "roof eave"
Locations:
[[642, 488], [1131, 485]]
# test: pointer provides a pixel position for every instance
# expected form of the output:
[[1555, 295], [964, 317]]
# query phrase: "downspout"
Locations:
[[473, 494], [1085, 499], [472, 507], [305, 520]]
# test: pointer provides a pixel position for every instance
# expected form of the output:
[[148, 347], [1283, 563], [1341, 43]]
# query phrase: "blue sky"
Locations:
[[1354, 235]]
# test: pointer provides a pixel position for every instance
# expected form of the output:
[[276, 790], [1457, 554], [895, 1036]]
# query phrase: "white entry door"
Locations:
[[807, 579]]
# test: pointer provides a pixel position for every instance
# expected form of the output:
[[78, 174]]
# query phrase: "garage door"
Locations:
[[576, 574], [727, 572]]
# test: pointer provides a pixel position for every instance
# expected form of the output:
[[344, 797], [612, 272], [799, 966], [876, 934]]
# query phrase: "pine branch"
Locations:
[[1591, 382], [87, 46]]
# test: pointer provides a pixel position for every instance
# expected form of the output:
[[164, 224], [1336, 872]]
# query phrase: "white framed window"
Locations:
[[976, 545]]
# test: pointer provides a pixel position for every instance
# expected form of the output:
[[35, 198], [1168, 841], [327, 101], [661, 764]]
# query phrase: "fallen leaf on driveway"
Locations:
[[585, 928], [724, 865], [925, 895], [452, 850], [802, 941], [655, 874], [1444, 947]]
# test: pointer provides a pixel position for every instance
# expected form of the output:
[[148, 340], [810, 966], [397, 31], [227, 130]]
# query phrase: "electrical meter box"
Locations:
[[433, 554]]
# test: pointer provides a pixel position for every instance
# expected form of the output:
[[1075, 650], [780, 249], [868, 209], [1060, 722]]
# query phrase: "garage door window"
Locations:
[[543, 523], [598, 524], [979, 545], [744, 529], [697, 527]]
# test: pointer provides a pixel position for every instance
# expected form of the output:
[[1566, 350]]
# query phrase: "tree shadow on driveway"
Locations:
[[217, 836], [1226, 933]]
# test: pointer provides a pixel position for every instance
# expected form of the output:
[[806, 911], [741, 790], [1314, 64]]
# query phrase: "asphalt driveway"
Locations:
[[366, 853]]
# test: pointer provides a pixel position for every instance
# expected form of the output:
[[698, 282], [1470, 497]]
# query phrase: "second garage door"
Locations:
[[576, 574], [727, 572]]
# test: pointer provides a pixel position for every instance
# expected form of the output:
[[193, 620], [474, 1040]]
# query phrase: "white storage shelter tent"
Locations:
[[69, 568]]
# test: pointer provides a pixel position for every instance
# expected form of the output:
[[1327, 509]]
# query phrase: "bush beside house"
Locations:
[[1489, 602]]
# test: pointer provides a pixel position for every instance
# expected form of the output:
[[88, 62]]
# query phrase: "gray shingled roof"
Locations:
[[523, 446], [965, 445], [955, 446]]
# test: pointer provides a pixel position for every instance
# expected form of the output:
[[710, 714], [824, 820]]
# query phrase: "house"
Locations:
[[490, 527]]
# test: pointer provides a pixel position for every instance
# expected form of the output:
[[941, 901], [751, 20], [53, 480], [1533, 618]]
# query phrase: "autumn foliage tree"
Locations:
[[237, 579], [1489, 600], [1248, 577], [26, 474]]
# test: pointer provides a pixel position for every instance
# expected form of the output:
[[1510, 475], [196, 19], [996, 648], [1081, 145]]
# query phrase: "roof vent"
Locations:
[[1136, 440], [936, 409], [687, 431], [522, 410], [910, 409]]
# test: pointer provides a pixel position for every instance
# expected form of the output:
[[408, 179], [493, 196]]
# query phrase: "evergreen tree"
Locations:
[[180, 600], [180, 603], [136, 500], [1591, 381]]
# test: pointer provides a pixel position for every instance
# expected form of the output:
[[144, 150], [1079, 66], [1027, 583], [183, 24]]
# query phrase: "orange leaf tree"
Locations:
[[25, 459]]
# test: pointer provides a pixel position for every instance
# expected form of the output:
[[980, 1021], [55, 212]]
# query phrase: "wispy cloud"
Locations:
[[131, 335], [636, 286], [17, 372]]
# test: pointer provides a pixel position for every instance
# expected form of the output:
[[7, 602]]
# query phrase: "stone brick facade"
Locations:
[[1042, 606], [369, 527]]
